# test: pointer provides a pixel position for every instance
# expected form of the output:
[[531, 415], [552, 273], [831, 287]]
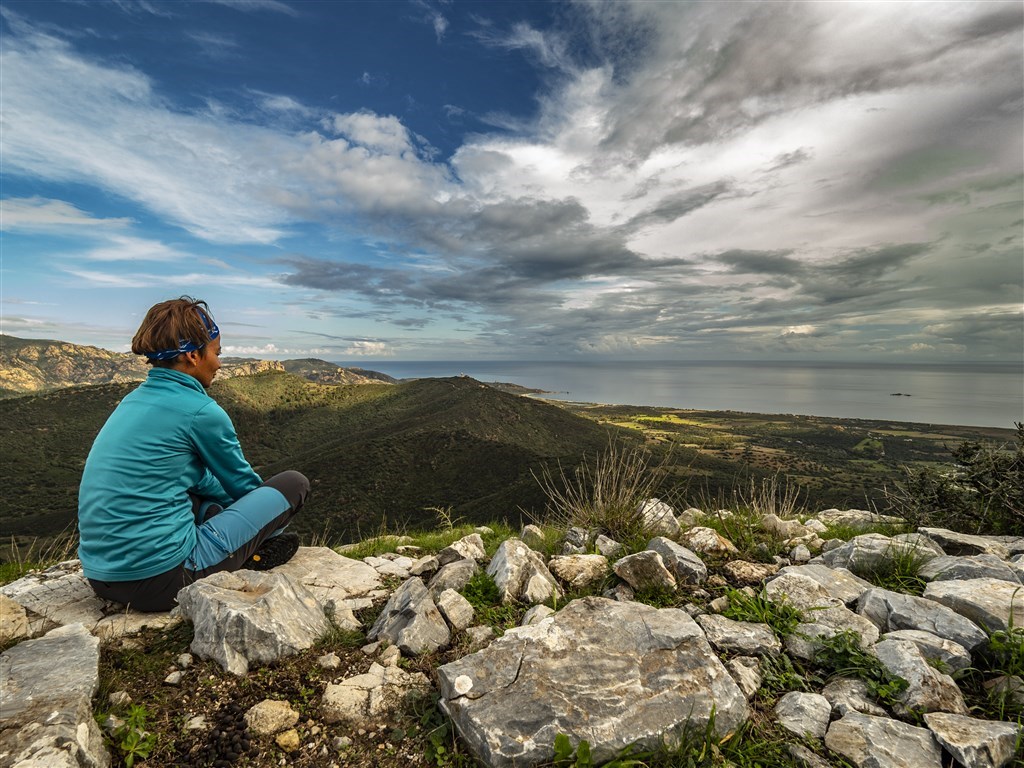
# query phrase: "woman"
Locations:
[[167, 496]]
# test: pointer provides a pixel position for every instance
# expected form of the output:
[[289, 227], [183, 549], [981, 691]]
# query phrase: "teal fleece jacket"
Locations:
[[164, 439]]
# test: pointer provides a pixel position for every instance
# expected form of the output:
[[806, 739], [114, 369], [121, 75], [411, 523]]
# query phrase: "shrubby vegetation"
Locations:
[[984, 494]]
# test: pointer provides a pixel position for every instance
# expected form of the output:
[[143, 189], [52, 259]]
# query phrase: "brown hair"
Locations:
[[169, 323]]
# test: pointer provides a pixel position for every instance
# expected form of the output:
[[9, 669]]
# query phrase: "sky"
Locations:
[[445, 180]]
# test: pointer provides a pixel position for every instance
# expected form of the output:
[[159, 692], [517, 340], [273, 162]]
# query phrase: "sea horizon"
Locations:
[[976, 394]]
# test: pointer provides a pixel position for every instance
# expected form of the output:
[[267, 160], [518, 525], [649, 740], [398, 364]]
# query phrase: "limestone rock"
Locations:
[[341, 584], [681, 562], [13, 621], [60, 596], [288, 741], [606, 546], [839, 583], [856, 518], [741, 637], [379, 690], [707, 540], [746, 671], [270, 717], [579, 571], [47, 686], [479, 637], [384, 566], [805, 714], [425, 566], [969, 567], [973, 742], [533, 536], [824, 615], [928, 689], [452, 576], [521, 575], [784, 529], [659, 519], [645, 571], [872, 549], [800, 554], [250, 616], [611, 673], [851, 695], [469, 547], [456, 609], [894, 610], [411, 621], [933, 647], [745, 573], [955, 543], [878, 742], [990, 603], [536, 614]]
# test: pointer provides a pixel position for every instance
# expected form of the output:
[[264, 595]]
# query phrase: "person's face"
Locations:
[[203, 364]]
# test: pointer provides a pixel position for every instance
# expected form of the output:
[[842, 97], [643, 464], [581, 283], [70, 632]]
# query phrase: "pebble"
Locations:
[[288, 740], [341, 742], [184, 660], [174, 678], [329, 661], [120, 699]]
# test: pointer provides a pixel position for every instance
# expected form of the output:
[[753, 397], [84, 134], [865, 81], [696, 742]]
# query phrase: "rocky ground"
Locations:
[[802, 647]]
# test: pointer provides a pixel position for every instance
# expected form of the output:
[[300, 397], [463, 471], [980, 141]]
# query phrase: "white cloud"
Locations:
[[38, 214], [368, 349]]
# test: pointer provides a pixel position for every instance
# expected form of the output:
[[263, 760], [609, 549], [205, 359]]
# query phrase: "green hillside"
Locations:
[[373, 451]]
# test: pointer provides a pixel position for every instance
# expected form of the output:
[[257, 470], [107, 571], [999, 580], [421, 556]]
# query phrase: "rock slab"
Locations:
[[608, 672], [250, 616]]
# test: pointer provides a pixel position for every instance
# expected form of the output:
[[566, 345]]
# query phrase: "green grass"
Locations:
[[483, 594], [842, 656], [897, 571], [780, 615]]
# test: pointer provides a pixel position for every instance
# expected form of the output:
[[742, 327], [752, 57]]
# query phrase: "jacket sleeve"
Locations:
[[209, 487], [215, 440]]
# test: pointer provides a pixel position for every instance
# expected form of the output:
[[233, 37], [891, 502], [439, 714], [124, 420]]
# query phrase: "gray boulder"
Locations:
[[411, 621], [249, 616], [934, 648], [360, 698], [452, 576], [658, 518], [851, 695], [975, 743], [48, 685], [955, 543], [521, 575], [742, 637], [928, 690], [748, 574], [878, 742], [645, 570], [341, 584], [707, 540], [683, 564], [969, 567], [805, 714], [839, 583], [607, 546], [872, 549], [579, 571], [470, 547], [456, 609], [532, 536], [894, 610], [990, 603], [611, 673], [856, 518]]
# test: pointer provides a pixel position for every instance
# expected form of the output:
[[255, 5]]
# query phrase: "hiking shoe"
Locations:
[[274, 552]]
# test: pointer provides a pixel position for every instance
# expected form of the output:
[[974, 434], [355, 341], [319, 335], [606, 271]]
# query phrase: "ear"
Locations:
[[192, 358]]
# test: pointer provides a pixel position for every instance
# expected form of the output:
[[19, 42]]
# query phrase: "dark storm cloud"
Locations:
[[761, 262]]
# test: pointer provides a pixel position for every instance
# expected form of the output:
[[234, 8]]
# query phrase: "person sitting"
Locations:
[[166, 495]]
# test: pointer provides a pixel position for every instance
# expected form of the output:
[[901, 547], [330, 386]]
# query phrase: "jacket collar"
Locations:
[[169, 374]]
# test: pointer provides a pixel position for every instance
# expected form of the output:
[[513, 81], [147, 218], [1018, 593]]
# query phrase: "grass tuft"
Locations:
[[780, 615]]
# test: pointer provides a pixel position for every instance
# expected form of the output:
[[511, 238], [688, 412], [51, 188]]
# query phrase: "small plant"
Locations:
[[743, 529], [660, 598], [842, 656], [896, 571], [604, 495], [132, 736], [780, 615], [483, 594], [992, 686], [580, 757], [779, 675]]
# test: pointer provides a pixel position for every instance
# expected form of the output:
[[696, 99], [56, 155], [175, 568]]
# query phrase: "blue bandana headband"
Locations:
[[184, 345]]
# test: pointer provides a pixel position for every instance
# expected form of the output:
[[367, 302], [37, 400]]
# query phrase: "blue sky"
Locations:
[[552, 180]]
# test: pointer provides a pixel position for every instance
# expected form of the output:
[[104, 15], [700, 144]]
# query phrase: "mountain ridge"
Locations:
[[34, 366]]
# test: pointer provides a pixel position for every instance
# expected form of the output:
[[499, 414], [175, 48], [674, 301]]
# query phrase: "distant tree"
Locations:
[[983, 494]]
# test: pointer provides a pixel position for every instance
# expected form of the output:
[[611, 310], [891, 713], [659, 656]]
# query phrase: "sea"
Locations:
[[963, 394]]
